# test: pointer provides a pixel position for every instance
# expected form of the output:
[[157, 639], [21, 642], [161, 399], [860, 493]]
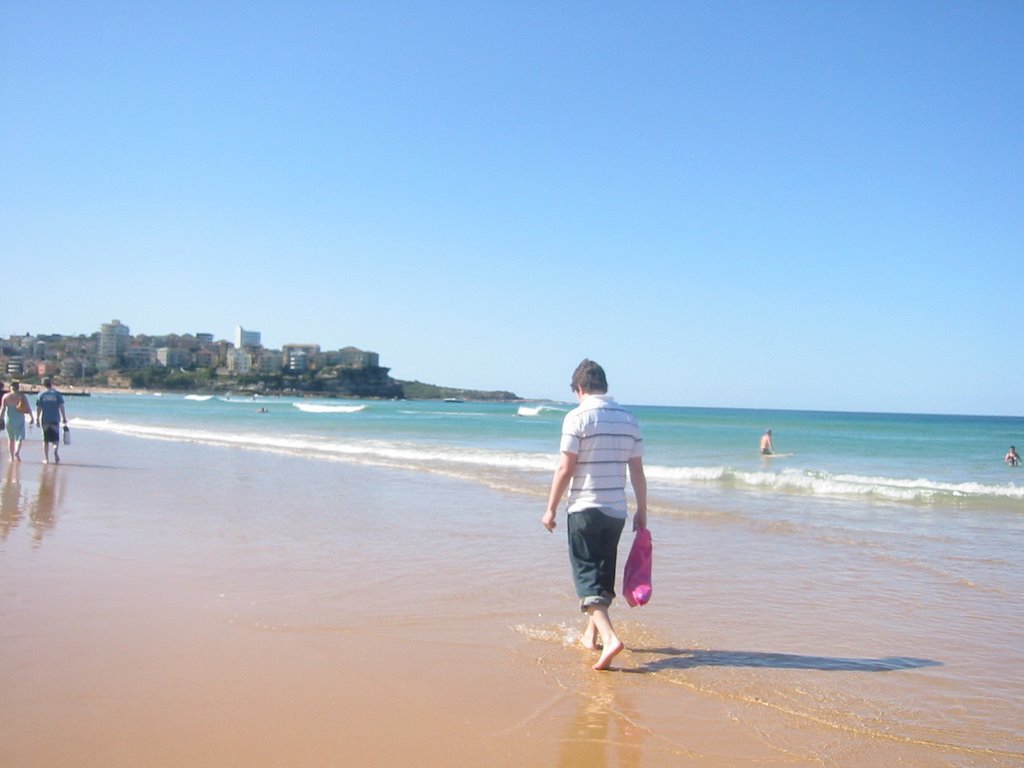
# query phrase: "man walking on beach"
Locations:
[[49, 415], [600, 439]]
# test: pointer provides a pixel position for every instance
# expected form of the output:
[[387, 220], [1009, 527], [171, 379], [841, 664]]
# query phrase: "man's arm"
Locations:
[[639, 482], [559, 484]]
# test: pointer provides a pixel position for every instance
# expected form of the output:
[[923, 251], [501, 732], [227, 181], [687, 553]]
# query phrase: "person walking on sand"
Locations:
[[14, 406], [767, 447], [600, 440], [49, 415]]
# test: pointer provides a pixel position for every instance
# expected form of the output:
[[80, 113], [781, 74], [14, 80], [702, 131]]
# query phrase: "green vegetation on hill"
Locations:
[[343, 383], [417, 390]]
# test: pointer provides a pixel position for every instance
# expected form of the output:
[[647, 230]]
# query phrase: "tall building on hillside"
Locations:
[[244, 338], [114, 339]]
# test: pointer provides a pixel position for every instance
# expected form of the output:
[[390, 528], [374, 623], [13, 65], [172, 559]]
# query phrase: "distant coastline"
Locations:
[[412, 391], [113, 360]]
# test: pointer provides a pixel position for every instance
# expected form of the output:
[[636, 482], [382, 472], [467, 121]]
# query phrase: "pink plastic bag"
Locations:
[[636, 577]]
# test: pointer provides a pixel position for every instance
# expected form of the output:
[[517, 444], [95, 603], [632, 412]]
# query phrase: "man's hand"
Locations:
[[548, 521], [639, 519]]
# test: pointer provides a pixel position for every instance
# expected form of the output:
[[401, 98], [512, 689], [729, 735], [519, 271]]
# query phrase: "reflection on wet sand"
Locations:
[[43, 512], [602, 733], [11, 504], [15, 502]]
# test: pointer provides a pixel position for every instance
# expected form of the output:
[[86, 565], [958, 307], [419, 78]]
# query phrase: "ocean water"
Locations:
[[691, 453]]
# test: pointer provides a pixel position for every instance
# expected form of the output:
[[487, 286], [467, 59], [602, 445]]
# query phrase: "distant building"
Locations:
[[205, 358], [114, 340], [204, 338], [173, 357], [350, 357], [270, 361], [71, 370], [239, 362], [298, 360], [138, 357], [244, 338]]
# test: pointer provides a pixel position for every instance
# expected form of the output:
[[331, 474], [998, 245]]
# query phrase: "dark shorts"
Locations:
[[51, 433], [593, 548]]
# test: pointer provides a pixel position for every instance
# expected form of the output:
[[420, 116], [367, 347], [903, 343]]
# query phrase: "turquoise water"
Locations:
[[915, 459]]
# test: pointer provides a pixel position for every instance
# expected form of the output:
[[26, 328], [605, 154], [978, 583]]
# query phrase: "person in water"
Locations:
[[13, 408], [600, 440], [1012, 457], [767, 447]]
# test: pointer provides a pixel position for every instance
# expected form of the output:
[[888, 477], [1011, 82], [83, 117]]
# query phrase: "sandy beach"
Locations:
[[167, 604]]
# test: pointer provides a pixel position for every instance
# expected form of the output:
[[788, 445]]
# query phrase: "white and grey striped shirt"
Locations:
[[604, 436]]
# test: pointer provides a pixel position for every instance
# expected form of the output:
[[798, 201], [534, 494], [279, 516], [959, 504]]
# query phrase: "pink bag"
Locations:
[[636, 577]]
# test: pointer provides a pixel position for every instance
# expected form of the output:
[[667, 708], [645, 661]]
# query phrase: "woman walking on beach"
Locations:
[[13, 408], [600, 440]]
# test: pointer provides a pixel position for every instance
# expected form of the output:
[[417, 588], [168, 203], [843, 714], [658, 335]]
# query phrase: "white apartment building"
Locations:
[[244, 338]]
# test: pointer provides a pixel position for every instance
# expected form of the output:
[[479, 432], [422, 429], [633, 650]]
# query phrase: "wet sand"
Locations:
[[166, 604]]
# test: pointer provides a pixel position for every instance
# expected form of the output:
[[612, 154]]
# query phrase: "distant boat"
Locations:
[[454, 400]]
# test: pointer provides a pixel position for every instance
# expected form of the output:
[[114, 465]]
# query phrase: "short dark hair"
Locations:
[[589, 377]]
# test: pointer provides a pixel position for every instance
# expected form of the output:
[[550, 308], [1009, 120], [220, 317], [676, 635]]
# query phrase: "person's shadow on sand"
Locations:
[[684, 658]]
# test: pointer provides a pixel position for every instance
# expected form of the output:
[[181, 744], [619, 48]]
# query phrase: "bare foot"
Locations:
[[609, 653], [589, 638]]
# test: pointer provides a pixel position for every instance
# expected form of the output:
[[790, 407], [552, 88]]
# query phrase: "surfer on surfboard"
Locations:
[[767, 448]]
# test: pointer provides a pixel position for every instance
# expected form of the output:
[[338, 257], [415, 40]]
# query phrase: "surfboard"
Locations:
[[775, 455]]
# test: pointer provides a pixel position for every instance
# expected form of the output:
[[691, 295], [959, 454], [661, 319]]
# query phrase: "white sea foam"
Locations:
[[441, 456], [390, 453], [314, 408], [828, 485], [531, 410], [199, 398]]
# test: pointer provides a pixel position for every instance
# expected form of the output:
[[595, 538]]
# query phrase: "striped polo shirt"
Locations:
[[604, 436]]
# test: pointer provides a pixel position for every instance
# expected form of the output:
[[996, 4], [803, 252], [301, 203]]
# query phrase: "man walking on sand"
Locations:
[[49, 415], [600, 439]]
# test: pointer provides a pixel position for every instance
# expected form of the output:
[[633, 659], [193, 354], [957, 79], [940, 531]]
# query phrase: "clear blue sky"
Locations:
[[751, 204]]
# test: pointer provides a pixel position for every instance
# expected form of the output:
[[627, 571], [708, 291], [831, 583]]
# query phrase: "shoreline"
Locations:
[[87, 391]]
